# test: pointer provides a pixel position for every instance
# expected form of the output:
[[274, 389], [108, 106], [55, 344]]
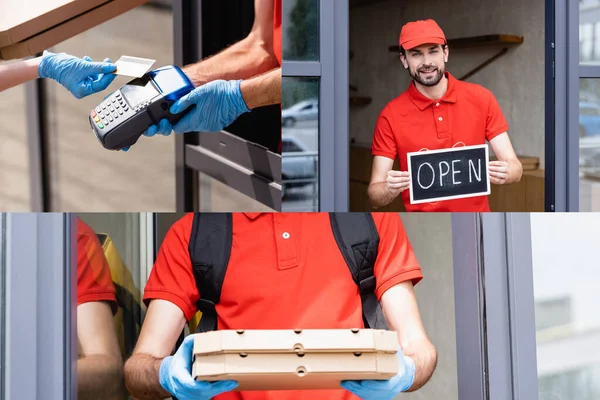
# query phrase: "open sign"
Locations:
[[446, 174]]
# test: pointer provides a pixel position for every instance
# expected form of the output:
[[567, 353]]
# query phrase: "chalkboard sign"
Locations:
[[447, 174]]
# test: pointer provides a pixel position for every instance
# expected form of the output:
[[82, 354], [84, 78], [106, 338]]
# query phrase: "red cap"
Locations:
[[417, 33]]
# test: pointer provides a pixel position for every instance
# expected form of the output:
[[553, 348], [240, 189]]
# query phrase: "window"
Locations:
[[566, 276], [300, 136], [300, 106]]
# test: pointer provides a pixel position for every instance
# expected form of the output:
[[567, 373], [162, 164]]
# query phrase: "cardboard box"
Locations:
[[299, 341], [294, 359], [293, 372], [27, 31]]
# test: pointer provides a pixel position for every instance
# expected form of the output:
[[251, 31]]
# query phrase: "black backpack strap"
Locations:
[[358, 240], [209, 248]]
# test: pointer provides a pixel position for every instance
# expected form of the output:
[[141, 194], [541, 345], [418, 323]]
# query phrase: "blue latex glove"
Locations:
[[175, 376], [218, 104], [80, 76], [385, 389]]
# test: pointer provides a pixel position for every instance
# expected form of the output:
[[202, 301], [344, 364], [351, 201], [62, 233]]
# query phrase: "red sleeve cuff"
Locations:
[[414, 273], [383, 153], [101, 296], [188, 309], [497, 132]]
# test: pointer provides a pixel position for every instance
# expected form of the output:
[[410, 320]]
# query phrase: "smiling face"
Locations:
[[426, 63]]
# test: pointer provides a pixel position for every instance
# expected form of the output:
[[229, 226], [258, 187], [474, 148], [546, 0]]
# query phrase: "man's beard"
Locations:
[[430, 82]]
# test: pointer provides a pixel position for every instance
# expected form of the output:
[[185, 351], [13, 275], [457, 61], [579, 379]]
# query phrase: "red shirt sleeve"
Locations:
[[496, 123], [396, 261], [171, 278], [94, 282], [384, 141], [277, 41]]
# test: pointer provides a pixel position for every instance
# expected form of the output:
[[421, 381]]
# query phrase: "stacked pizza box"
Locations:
[[294, 359]]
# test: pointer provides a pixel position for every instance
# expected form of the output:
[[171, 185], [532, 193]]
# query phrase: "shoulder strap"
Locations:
[[358, 240], [209, 248]]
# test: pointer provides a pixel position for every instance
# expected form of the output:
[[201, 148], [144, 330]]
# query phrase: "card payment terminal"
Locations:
[[128, 112]]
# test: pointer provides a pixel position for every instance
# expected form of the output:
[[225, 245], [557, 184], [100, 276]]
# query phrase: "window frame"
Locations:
[[493, 286], [41, 324], [332, 70]]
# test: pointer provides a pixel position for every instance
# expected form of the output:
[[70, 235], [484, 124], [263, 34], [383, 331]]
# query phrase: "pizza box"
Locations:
[[288, 371], [296, 341]]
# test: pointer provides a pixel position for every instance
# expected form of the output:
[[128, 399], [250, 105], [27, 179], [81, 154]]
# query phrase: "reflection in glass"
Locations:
[[300, 35], [566, 279], [113, 247], [300, 144], [589, 31], [99, 361], [589, 144]]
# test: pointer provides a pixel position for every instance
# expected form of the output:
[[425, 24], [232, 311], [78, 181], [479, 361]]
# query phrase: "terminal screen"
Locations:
[[139, 91]]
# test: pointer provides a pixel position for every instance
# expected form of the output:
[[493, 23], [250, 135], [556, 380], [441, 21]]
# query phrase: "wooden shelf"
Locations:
[[360, 101], [477, 41], [502, 40]]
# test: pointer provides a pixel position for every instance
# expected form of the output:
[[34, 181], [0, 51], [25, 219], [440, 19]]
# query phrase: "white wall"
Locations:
[[516, 79]]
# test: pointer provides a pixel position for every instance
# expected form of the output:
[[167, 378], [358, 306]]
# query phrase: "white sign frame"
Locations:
[[452, 149]]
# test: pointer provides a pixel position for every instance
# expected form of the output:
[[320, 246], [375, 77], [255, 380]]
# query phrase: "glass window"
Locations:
[[124, 239], [300, 33], [589, 32], [85, 176], [566, 276], [14, 156], [300, 144], [589, 144]]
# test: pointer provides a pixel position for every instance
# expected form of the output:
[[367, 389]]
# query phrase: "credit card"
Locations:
[[133, 66]]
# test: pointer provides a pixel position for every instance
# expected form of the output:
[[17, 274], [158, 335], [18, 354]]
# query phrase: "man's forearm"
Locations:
[[14, 74], [515, 171], [425, 357], [243, 60], [380, 195], [141, 378], [99, 377], [263, 90]]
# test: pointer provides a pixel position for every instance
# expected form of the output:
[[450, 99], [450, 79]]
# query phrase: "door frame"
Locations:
[[493, 274], [41, 317], [562, 148]]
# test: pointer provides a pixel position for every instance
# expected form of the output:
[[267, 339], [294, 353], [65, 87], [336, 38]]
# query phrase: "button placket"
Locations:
[[440, 112], [287, 253]]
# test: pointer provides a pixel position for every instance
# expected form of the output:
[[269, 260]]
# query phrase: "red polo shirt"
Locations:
[[94, 282], [277, 281], [466, 115], [277, 30]]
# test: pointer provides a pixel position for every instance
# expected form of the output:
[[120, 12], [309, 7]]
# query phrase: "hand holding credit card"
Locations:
[[133, 66]]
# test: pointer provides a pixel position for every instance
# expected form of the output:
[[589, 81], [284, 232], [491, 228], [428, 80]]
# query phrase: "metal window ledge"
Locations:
[[242, 165]]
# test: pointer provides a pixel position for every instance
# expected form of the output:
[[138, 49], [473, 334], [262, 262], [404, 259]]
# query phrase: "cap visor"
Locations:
[[411, 44]]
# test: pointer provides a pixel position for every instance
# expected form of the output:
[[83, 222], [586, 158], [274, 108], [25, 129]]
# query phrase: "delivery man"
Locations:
[[436, 112], [285, 272], [80, 76], [99, 364], [244, 76]]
